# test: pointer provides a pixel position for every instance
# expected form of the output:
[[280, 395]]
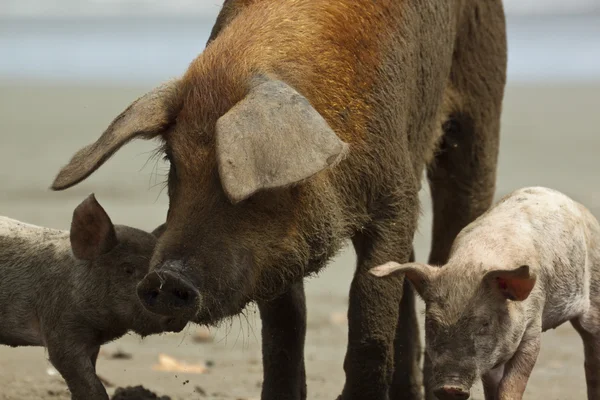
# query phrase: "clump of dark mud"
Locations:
[[136, 393]]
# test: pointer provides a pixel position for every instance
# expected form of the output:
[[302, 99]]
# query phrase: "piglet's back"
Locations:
[[532, 222], [25, 247], [554, 221], [592, 230], [532, 213], [32, 260], [13, 229]]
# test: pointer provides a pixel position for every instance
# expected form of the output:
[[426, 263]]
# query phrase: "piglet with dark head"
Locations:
[[74, 291]]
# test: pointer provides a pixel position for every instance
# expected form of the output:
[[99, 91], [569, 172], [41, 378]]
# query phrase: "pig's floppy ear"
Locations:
[[514, 284], [418, 274], [146, 117], [272, 138], [92, 232]]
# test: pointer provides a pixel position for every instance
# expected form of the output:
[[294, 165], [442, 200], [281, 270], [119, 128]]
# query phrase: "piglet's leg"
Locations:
[[491, 382], [518, 369], [588, 327], [74, 362]]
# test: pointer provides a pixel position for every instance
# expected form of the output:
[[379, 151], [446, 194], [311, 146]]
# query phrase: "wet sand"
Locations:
[[549, 137]]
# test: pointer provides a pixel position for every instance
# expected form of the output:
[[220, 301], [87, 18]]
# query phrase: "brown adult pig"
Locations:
[[74, 291], [303, 124], [529, 264]]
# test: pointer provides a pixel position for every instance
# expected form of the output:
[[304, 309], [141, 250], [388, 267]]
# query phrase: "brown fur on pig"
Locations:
[[529, 264], [74, 291], [405, 87]]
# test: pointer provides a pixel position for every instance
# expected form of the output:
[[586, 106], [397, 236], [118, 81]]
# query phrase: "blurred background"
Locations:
[[68, 67]]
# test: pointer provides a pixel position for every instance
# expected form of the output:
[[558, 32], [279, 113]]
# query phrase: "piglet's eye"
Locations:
[[484, 328], [129, 269]]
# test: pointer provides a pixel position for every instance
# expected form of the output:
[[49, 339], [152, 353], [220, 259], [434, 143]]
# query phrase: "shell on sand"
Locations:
[[170, 364]]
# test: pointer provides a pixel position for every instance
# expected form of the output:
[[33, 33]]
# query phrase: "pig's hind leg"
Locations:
[[588, 327]]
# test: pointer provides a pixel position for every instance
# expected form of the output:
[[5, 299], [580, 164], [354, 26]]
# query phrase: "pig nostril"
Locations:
[[151, 296], [169, 294], [183, 295]]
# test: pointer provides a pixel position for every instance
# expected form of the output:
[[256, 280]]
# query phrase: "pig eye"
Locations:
[[129, 269], [485, 327]]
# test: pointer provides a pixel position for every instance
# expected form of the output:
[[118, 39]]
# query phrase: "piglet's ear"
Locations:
[[272, 138], [418, 274], [92, 232], [515, 284]]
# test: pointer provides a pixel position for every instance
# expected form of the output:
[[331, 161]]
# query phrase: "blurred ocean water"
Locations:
[[125, 46], [79, 8]]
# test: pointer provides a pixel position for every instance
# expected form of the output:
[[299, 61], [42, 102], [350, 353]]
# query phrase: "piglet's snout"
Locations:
[[451, 392], [167, 292]]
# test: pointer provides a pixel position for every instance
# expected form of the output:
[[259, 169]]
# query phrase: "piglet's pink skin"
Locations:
[[531, 263]]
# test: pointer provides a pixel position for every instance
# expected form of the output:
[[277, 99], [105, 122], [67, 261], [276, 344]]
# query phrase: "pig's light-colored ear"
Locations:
[[515, 284], [272, 138], [418, 274], [146, 118], [92, 232]]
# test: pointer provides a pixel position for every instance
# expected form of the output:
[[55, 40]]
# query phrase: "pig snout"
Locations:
[[172, 324], [169, 293], [451, 392], [451, 389]]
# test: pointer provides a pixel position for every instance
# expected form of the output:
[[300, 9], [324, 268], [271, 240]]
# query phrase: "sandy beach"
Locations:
[[549, 137]]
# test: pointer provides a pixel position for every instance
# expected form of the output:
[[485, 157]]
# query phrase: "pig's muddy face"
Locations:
[[468, 333], [246, 153], [214, 256], [473, 319]]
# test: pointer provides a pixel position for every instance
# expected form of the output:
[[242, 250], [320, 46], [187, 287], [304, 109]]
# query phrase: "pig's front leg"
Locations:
[[518, 369], [283, 333], [374, 312], [491, 382], [74, 362], [407, 347]]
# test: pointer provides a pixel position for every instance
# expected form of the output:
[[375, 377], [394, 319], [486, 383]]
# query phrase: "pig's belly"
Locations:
[[26, 333]]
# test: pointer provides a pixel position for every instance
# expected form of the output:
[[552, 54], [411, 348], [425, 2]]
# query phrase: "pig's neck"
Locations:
[[94, 302]]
